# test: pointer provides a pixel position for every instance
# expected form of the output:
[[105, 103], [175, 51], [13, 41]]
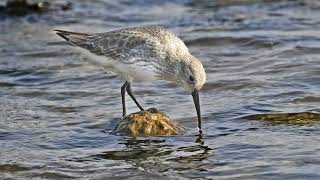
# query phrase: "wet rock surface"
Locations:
[[24, 7], [148, 123], [287, 118]]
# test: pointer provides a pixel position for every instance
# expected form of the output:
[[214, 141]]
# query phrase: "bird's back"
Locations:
[[133, 42], [131, 50]]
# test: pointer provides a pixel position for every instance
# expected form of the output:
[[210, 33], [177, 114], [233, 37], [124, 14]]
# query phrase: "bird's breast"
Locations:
[[138, 70]]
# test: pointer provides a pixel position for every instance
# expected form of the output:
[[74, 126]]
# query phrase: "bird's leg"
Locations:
[[123, 96], [129, 91]]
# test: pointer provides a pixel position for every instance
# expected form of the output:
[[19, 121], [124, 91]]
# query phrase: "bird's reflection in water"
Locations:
[[190, 156], [162, 154]]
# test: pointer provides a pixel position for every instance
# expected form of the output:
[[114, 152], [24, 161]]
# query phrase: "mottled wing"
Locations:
[[115, 45]]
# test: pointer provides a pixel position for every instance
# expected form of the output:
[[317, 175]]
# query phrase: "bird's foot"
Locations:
[[153, 110]]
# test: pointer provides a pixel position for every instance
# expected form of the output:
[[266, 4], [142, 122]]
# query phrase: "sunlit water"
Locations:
[[56, 109]]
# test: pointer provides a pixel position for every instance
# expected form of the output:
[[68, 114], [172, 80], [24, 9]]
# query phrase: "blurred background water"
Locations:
[[261, 56]]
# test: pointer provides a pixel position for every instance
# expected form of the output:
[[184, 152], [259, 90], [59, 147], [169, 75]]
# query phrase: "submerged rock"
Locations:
[[24, 7], [148, 123], [287, 118]]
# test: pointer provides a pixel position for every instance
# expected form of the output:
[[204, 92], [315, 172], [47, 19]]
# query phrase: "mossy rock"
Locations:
[[287, 118], [148, 123]]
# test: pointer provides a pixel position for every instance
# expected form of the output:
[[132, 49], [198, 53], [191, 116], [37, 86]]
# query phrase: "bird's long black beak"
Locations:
[[195, 95]]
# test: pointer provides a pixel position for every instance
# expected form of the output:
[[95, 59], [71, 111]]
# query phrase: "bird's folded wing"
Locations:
[[110, 44]]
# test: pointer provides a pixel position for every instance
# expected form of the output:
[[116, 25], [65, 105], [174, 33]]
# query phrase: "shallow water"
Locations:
[[261, 57]]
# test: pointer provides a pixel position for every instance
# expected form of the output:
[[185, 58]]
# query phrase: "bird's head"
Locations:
[[191, 76]]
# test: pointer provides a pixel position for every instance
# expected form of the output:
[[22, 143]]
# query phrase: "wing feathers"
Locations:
[[114, 44], [74, 38]]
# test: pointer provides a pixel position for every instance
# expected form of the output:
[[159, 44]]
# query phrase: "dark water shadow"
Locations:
[[143, 148], [163, 153], [136, 149]]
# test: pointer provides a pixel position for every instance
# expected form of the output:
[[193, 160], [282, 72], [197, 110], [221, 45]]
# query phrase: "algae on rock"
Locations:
[[148, 123], [287, 118]]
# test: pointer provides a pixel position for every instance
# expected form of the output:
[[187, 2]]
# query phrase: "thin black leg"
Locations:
[[123, 96], [129, 91]]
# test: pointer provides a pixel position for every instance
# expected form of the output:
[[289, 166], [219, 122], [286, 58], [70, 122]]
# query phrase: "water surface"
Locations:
[[57, 109]]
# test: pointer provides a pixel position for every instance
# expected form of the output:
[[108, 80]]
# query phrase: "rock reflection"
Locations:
[[159, 155], [136, 149]]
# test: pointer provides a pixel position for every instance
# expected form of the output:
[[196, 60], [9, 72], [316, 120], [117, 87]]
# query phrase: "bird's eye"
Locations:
[[191, 78]]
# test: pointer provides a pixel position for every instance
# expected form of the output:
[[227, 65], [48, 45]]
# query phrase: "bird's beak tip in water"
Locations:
[[195, 95]]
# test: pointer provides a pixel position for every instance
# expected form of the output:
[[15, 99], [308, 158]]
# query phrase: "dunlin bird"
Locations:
[[143, 53]]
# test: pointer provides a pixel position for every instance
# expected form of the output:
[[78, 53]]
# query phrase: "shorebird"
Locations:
[[143, 53]]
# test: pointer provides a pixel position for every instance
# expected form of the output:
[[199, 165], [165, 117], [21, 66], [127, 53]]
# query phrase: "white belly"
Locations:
[[137, 70]]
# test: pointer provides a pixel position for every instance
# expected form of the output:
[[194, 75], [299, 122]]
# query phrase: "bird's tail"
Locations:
[[73, 38]]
